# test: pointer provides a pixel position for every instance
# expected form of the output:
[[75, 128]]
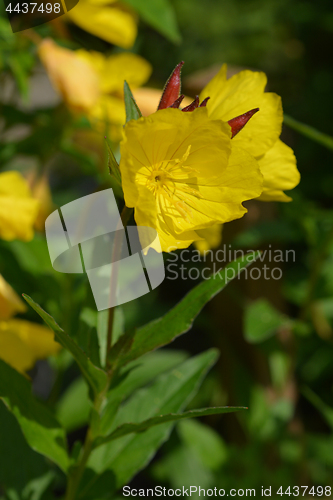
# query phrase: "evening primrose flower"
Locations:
[[18, 210], [181, 174], [107, 19], [22, 343]]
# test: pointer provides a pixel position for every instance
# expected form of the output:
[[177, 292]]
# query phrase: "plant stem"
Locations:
[[125, 216], [312, 133], [75, 479], [75, 476]]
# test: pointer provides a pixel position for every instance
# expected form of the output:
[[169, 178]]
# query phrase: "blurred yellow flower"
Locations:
[[22, 343], [72, 76], [108, 114], [260, 137], [93, 83], [10, 302], [40, 189], [181, 175], [18, 210], [107, 19]]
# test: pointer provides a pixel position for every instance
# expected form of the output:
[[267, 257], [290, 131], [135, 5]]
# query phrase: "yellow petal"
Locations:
[[241, 93], [13, 351], [13, 183], [240, 181], [17, 217], [41, 191], [278, 167], [108, 116], [10, 302], [38, 338], [211, 238], [115, 25], [126, 66], [18, 211], [74, 78]]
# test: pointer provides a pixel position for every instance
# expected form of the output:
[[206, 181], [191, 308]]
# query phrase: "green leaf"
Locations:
[[39, 426], [113, 164], [204, 442], [95, 377], [179, 319], [125, 429], [160, 15], [137, 375], [74, 406], [132, 110], [33, 476], [113, 464], [262, 321], [87, 336], [182, 468]]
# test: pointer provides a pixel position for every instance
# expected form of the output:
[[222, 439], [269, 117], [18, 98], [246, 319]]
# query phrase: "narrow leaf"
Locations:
[[113, 164], [95, 376], [39, 426], [179, 319], [132, 109], [161, 419]]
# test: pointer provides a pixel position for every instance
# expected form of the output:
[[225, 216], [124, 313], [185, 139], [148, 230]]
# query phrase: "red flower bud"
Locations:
[[204, 102], [177, 102], [172, 88], [240, 121], [194, 104]]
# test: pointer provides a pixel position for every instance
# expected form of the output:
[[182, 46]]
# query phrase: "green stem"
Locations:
[[125, 216], [75, 479], [312, 133]]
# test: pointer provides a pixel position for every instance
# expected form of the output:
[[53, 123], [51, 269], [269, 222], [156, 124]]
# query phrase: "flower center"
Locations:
[[167, 180]]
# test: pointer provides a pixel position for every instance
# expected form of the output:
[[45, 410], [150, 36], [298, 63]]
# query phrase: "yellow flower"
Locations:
[[107, 20], [18, 210], [10, 302], [22, 343], [181, 175], [40, 189], [260, 137], [73, 77], [109, 110], [93, 83]]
